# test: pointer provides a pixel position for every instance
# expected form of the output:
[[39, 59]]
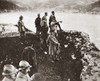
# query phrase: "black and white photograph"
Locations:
[[49, 40]]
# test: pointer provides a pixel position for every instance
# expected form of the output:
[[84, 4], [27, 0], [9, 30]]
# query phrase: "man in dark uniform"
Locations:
[[53, 19], [44, 29], [38, 24], [29, 55], [44, 23]]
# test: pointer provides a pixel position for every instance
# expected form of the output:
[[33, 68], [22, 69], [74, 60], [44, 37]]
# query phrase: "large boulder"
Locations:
[[66, 65], [75, 46]]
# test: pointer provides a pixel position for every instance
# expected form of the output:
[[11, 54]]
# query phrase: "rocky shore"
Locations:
[[72, 42]]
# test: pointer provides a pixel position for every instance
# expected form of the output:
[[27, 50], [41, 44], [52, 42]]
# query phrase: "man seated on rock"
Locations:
[[54, 25], [9, 72], [53, 21]]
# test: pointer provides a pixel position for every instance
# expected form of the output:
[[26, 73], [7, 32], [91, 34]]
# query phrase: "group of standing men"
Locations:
[[29, 60], [48, 40], [42, 29], [41, 24]]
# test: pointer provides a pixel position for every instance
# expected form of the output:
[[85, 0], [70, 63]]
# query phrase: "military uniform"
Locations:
[[22, 77], [24, 68], [53, 47], [53, 21], [44, 24], [7, 79], [9, 72], [21, 29], [29, 55], [38, 24], [44, 31]]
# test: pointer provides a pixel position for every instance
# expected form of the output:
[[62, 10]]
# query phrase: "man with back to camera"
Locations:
[[29, 54]]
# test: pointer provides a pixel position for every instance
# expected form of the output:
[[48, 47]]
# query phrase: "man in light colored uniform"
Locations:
[[53, 45], [9, 72], [21, 28], [23, 71]]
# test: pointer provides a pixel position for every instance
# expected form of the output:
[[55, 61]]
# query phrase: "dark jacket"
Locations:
[[29, 55], [52, 19], [38, 22]]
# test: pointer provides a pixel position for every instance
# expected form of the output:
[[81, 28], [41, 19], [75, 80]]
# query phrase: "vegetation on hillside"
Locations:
[[72, 43]]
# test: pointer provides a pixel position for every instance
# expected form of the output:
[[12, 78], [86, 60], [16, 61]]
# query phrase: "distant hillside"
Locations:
[[5, 6], [80, 5], [63, 4], [96, 4]]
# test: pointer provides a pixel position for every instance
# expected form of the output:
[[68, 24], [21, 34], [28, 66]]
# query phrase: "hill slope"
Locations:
[[63, 4], [5, 5], [77, 43]]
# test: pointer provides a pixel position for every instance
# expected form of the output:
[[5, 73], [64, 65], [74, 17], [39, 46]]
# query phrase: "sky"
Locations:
[[67, 1], [27, 1]]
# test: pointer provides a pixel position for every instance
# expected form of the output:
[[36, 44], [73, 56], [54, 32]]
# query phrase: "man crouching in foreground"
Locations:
[[23, 71], [9, 72]]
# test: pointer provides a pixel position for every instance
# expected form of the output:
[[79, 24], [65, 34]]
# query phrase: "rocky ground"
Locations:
[[11, 50]]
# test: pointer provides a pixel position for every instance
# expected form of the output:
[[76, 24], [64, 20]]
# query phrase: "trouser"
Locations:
[[38, 30], [44, 35], [22, 36], [59, 26]]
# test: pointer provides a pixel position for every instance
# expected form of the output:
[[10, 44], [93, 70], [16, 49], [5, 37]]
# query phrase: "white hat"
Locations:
[[24, 64], [9, 69]]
